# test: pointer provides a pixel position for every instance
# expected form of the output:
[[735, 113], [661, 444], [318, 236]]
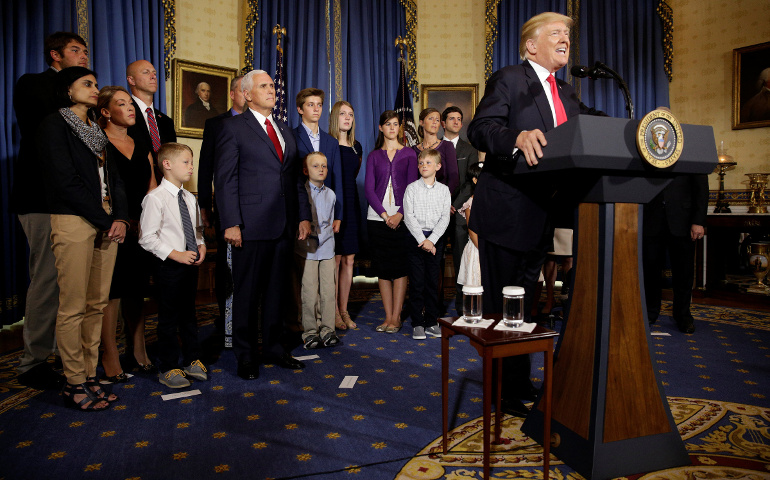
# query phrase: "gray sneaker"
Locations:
[[174, 379], [434, 331], [419, 333], [196, 370]]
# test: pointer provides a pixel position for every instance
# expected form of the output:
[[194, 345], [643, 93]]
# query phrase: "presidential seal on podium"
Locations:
[[659, 139]]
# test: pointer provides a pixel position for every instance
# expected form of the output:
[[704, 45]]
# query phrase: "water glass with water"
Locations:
[[513, 306], [472, 303]]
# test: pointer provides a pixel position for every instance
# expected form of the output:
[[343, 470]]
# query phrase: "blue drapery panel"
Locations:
[[124, 31], [119, 32], [25, 26], [370, 62], [626, 36], [304, 49]]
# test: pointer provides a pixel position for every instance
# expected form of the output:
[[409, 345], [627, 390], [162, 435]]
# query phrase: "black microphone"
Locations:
[[593, 73]]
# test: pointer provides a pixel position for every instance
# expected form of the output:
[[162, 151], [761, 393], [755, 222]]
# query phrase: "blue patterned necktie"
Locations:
[[189, 233]]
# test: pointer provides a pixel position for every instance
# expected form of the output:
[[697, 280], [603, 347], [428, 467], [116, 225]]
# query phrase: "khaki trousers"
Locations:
[[318, 288], [85, 259]]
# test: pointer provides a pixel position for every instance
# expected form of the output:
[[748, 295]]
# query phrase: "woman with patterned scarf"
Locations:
[[88, 219]]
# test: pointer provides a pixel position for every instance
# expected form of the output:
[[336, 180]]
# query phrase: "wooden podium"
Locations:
[[610, 414]]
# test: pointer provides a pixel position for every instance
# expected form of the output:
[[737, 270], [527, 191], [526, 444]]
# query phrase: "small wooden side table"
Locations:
[[495, 345]]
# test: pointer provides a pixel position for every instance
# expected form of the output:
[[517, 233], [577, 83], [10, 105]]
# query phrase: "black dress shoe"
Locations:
[[42, 377], [686, 324], [248, 370], [514, 407], [287, 361]]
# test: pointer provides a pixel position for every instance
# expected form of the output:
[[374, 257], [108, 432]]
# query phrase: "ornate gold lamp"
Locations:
[[726, 163]]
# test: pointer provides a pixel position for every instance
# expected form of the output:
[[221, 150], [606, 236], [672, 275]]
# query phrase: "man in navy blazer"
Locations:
[[310, 138], [256, 167], [510, 213]]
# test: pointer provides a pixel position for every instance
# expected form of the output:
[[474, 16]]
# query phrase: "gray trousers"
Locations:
[[43, 293], [318, 289]]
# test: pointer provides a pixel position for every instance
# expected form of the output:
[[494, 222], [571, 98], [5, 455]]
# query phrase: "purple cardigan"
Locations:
[[402, 170], [448, 175]]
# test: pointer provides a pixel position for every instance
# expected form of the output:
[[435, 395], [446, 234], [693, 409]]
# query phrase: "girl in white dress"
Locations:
[[470, 268]]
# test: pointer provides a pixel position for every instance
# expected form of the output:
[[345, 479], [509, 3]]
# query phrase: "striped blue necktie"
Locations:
[[189, 233]]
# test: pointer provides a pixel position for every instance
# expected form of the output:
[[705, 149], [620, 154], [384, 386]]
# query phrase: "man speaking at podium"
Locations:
[[511, 213]]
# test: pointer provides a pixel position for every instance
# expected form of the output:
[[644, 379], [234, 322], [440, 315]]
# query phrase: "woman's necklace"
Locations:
[[424, 147]]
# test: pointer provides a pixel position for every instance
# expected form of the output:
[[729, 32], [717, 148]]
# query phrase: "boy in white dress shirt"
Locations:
[[170, 229], [426, 215]]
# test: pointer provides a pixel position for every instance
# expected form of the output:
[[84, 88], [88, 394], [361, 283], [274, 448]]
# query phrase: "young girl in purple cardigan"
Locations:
[[389, 169]]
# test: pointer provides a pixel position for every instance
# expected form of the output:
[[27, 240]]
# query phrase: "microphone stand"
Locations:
[[623, 87]]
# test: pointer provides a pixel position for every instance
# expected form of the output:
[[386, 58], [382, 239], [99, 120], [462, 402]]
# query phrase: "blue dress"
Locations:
[[346, 241]]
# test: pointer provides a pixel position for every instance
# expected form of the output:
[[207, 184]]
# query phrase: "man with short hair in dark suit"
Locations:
[[223, 278], [143, 84], [673, 222], [452, 122], [34, 99], [256, 166], [510, 212]]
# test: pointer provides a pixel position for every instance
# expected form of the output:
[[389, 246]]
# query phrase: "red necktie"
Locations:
[[561, 115], [153, 130], [271, 133]]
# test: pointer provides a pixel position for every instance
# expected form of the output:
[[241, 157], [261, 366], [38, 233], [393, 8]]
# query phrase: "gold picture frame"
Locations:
[[749, 64], [465, 96], [189, 112]]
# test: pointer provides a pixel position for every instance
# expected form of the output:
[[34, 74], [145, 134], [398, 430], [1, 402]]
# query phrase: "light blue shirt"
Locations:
[[315, 140], [319, 245]]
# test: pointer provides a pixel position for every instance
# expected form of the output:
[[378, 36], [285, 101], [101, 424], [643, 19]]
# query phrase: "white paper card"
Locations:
[[307, 357], [173, 396], [524, 328], [660, 334], [349, 381], [484, 323]]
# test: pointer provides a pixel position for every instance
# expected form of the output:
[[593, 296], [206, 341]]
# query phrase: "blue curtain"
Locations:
[[25, 25], [124, 31], [120, 32], [370, 62], [626, 36], [304, 49]]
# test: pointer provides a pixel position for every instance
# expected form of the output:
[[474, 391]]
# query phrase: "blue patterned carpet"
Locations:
[[300, 424]]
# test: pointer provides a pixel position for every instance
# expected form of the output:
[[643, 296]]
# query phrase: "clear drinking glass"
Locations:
[[513, 306], [472, 310]]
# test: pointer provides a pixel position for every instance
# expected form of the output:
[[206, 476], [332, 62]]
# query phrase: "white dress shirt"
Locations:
[[160, 226], [143, 110], [426, 209], [261, 119]]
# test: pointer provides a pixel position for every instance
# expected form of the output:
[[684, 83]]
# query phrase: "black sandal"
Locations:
[[313, 342], [99, 391], [87, 404], [119, 378]]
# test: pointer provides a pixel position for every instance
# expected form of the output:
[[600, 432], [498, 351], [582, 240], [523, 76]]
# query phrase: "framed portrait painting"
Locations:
[[201, 92], [440, 97], [751, 86]]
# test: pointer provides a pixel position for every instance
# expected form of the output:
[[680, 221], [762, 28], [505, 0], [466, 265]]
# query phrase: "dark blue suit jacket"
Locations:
[[331, 148], [510, 210], [206, 162], [255, 190]]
